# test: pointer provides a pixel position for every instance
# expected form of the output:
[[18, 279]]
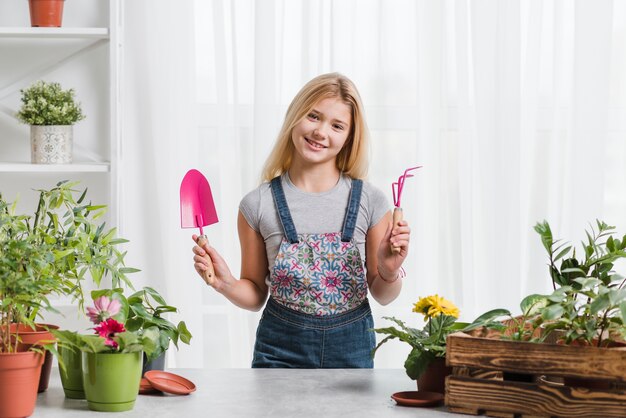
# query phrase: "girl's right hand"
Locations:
[[210, 265]]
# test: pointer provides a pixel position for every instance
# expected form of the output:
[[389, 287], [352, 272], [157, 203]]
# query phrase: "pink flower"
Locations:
[[108, 329], [104, 309]]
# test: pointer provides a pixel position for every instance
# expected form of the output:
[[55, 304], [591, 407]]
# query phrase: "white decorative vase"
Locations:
[[51, 144]]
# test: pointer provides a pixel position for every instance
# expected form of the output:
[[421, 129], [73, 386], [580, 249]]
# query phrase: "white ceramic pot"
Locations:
[[51, 144]]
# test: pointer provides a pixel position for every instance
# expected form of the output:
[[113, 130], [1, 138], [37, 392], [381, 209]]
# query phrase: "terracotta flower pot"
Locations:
[[46, 13], [111, 380], [29, 337], [19, 378], [434, 378]]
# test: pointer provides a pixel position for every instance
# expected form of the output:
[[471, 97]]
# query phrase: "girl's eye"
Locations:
[[339, 127], [313, 116]]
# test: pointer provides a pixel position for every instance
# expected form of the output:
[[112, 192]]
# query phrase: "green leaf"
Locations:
[[487, 318], [531, 304], [562, 253], [552, 312], [417, 362], [600, 303], [543, 229], [185, 335], [155, 295], [126, 270]]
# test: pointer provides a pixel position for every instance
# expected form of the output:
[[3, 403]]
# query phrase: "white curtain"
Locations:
[[515, 109]]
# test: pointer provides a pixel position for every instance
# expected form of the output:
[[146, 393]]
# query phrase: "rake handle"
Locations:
[[397, 217], [210, 272]]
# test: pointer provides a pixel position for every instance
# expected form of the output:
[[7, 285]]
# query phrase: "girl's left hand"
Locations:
[[389, 262]]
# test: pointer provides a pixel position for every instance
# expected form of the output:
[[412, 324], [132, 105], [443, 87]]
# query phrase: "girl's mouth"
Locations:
[[314, 144]]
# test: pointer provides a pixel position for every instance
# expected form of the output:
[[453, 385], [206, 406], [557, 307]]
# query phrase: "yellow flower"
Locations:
[[434, 305]]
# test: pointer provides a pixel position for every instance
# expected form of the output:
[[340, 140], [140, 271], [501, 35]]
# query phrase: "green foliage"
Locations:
[[430, 342], [26, 276], [128, 342], [48, 104], [145, 309], [588, 305], [52, 252]]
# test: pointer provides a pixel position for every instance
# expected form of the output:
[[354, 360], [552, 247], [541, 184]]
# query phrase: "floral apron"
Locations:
[[317, 314]]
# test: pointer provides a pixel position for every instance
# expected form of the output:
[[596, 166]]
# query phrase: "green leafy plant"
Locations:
[[52, 252], [82, 247], [146, 309], [589, 305], [429, 343], [26, 276], [48, 104]]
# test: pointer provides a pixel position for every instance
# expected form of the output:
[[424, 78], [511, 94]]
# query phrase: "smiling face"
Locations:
[[322, 133]]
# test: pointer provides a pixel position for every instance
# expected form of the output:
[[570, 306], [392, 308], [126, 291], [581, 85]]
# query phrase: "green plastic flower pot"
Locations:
[[111, 380], [72, 377]]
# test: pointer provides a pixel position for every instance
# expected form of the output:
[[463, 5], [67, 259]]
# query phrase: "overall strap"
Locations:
[[283, 210], [349, 222]]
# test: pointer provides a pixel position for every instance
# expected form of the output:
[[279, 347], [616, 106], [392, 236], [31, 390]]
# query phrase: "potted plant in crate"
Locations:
[[51, 113], [26, 276], [65, 228], [426, 361], [111, 359], [588, 305], [585, 315]]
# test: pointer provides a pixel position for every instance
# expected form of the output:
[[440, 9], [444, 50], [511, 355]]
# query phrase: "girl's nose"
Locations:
[[319, 133]]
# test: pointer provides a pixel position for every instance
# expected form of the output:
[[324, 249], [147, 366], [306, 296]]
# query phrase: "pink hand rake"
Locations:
[[396, 189]]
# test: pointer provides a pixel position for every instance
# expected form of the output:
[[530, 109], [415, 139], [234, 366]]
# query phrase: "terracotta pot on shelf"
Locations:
[[19, 377], [46, 13], [434, 378], [29, 337]]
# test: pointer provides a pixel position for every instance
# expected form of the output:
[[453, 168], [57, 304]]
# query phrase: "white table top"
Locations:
[[274, 393]]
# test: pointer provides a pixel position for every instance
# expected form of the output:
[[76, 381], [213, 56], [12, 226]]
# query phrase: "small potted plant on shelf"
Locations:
[[51, 113], [426, 361], [112, 358], [46, 13]]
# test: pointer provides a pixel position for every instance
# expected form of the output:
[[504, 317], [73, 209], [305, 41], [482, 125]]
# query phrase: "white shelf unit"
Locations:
[[59, 51], [54, 168], [49, 33]]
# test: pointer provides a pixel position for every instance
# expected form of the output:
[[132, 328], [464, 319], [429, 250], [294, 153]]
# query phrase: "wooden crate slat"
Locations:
[[524, 357], [498, 398]]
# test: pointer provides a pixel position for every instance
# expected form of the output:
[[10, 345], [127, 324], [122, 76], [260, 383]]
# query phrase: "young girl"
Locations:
[[316, 237]]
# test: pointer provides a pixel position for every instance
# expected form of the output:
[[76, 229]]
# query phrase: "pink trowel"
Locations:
[[196, 205]]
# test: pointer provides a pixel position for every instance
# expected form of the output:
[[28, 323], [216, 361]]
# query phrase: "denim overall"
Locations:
[[317, 315]]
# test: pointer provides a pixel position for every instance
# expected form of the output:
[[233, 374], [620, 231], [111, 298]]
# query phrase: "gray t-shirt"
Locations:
[[312, 213]]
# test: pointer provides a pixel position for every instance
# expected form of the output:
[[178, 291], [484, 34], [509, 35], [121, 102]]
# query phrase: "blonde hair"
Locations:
[[352, 160]]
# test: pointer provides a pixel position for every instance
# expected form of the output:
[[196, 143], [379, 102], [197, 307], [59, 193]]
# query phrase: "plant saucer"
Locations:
[[418, 398], [169, 382], [145, 388]]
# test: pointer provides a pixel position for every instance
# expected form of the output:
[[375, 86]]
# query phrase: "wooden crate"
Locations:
[[476, 385]]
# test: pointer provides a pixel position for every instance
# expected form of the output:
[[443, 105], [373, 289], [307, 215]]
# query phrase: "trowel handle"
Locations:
[[397, 217], [210, 272]]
